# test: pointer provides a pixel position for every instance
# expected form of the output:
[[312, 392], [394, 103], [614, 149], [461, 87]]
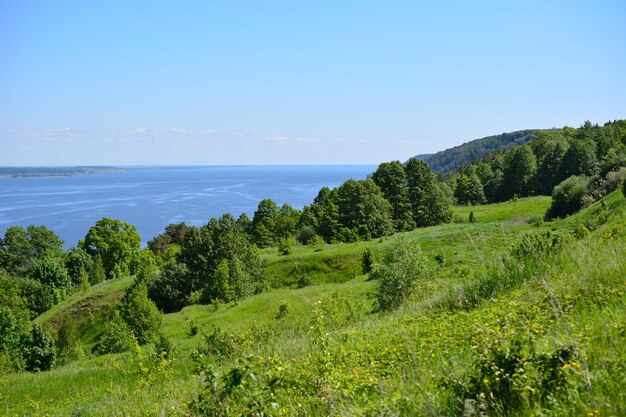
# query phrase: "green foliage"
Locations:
[[174, 235], [567, 197], [78, 264], [469, 190], [453, 159], [40, 353], [140, 313], [363, 209], [391, 178], [51, 273], [24, 248], [170, 291], [400, 272], [270, 224], [116, 242], [429, 204], [98, 273], [283, 310], [624, 188], [519, 171], [68, 342], [116, 337], [13, 337], [285, 246], [538, 246], [509, 374], [202, 251], [471, 218], [579, 159], [367, 261]]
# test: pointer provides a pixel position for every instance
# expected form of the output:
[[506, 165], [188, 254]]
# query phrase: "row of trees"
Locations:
[[396, 198], [537, 167]]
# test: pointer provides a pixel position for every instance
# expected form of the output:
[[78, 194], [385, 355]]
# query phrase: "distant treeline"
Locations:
[[451, 160], [575, 166], [16, 172]]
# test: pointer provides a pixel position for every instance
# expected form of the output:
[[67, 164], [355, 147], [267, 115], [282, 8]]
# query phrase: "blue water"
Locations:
[[151, 198]]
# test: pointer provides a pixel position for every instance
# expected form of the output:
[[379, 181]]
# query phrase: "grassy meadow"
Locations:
[[501, 325]]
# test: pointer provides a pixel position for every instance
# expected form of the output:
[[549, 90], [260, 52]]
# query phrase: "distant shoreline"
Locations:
[[54, 172]]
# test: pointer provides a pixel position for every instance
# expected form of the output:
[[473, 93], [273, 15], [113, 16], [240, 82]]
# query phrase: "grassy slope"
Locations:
[[102, 386]]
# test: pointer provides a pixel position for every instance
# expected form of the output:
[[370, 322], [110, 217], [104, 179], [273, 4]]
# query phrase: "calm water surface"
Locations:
[[151, 198]]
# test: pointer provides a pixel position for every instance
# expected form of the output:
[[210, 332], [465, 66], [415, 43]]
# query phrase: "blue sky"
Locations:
[[242, 82]]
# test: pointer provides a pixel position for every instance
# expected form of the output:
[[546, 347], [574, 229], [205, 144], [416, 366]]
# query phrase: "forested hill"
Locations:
[[453, 159]]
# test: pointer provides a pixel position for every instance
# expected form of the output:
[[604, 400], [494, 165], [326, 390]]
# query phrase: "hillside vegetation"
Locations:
[[451, 160], [514, 316]]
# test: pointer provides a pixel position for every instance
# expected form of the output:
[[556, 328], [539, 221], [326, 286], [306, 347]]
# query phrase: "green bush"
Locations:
[[116, 337], [140, 313], [283, 310], [367, 261], [508, 376], [40, 354], [402, 268], [567, 197]]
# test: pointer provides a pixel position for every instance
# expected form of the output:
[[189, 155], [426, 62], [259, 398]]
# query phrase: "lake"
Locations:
[[153, 197]]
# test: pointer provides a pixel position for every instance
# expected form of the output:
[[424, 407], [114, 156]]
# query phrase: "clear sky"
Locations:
[[268, 82]]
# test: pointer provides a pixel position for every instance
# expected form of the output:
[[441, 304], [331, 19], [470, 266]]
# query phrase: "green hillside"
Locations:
[[451, 160], [540, 333]]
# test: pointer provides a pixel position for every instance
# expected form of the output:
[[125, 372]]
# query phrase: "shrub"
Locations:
[[402, 268], [140, 313], [567, 197], [472, 219], [367, 261], [305, 234], [283, 310], [537, 246], [40, 353], [285, 246], [116, 337]]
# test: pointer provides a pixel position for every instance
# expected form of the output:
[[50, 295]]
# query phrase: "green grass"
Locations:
[[345, 358]]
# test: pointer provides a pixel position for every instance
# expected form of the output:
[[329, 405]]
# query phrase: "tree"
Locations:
[[579, 159], [567, 196], [469, 190], [23, 248], [363, 208], [172, 288], [549, 160], [174, 234], [202, 251], [98, 274], [13, 337], [391, 178], [367, 261], [428, 202], [322, 215], [116, 242], [264, 223], [78, 264], [40, 353], [402, 267], [140, 313], [51, 273], [520, 166]]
